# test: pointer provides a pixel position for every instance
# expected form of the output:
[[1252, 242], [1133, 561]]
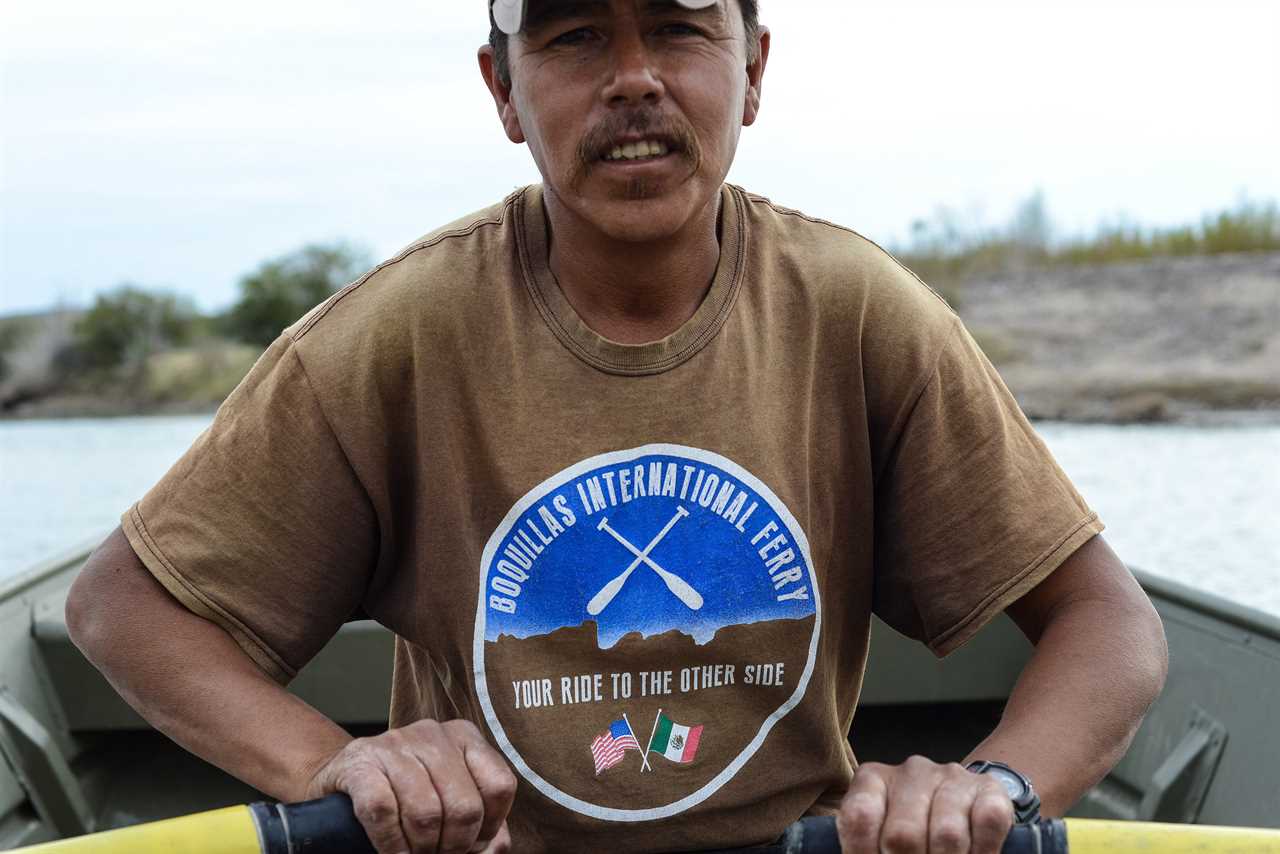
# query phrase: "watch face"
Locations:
[[1011, 783], [1026, 803]]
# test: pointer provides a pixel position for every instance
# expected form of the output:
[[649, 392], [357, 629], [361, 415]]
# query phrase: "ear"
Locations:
[[501, 93], [755, 78]]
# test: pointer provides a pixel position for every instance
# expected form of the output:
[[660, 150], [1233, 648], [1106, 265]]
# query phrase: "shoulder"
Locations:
[[419, 275], [831, 257], [427, 292], [850, 284]]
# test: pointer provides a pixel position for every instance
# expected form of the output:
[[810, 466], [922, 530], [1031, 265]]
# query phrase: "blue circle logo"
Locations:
[[645, 618]]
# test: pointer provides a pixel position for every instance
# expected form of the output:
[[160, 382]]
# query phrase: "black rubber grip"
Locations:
[[1042, 836], [818, 836], [329, 826], [271, 833], [324, 826]]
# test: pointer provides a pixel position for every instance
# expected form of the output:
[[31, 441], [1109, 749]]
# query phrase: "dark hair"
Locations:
[[501, 59]]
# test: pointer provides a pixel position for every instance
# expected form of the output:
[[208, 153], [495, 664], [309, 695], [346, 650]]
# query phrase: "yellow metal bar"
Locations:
[[1094, 836], [226, 831]]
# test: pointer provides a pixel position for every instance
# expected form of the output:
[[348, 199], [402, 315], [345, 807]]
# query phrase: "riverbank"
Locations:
[[1176, 340], [1190, 340], [38, 383]]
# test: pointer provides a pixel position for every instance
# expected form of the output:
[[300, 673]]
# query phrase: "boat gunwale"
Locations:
[[48, 568], [1210, 604]]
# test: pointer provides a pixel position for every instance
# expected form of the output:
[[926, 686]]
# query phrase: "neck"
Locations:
[[633, 293]]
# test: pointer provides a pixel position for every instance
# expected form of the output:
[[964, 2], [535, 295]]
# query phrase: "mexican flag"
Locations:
[[675, 741]]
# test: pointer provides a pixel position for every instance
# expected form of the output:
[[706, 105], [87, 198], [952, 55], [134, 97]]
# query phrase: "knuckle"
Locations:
[[996, 799], [918, 762], [374, 743], [461, 727], [424, 819], [467, 812], [992, 815], [423, 730], [902, 837], [374, 810], [862, 813], [998, 802], [948, 834], [501, 784]]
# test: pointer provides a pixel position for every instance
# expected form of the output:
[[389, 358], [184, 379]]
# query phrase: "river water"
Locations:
[[1197, 504]]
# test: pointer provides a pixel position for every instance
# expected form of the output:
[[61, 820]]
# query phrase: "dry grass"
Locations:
[[999, 348], [199, 376]]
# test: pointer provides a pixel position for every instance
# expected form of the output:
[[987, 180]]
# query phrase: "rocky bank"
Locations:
[[1175, 339]]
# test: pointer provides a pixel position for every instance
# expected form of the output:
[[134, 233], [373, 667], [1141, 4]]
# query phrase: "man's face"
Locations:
[[631, 108]]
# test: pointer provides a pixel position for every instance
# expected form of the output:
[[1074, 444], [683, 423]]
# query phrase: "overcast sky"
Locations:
[[178, 145]]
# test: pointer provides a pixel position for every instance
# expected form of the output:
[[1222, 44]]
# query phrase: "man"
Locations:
[[626, 462]]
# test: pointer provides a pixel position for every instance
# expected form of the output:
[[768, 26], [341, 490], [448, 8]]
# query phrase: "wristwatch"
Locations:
[[1026, 803]]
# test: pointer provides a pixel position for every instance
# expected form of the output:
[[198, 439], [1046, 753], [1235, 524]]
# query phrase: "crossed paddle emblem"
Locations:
[[675, 583]]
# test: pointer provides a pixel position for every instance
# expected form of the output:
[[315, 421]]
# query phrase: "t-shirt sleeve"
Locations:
[[262, 526], [972, 511]]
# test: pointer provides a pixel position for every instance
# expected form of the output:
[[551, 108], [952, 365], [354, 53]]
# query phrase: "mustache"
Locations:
[[675, 132]]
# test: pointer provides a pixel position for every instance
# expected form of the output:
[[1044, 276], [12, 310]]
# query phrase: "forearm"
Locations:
[[191, 681], [1076, 706]]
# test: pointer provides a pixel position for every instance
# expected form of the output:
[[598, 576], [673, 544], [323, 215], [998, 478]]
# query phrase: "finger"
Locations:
[[949, 817], [460, 801], [493, 778], [991, 818], [421, 814], [500, 844], [862, 811], [906, 824], [376, 808]]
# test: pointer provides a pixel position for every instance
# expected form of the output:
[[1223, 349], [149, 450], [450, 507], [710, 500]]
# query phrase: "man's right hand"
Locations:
[[427, 788]]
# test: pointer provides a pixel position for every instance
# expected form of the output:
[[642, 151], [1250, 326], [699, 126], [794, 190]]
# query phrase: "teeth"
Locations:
[[638, 150]]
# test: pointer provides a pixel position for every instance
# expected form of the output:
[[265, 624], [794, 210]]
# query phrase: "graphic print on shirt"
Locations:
[[646, 618]]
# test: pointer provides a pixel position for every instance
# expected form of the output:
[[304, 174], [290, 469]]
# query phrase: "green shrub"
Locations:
[[123, 328], [282, 290], [13, 331], [947, 249]]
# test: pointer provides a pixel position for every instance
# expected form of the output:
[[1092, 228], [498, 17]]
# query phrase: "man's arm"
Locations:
[[429, 787], [1099, 663]]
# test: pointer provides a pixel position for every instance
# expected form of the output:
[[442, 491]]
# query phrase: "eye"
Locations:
[[679, 28], [574, 37]]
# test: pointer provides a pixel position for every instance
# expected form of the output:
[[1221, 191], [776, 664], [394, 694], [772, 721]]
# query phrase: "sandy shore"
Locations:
[[1179, 339]]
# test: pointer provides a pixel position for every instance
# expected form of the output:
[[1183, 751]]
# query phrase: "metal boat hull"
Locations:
[[77, 758]]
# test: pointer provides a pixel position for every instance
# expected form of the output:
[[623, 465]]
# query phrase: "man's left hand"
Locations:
[[921, 807]]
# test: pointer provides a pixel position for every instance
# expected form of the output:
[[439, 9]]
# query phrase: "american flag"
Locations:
[[610, 746]]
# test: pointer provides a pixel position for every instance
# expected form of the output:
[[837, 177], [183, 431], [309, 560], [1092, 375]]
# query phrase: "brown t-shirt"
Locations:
[[647, 573]]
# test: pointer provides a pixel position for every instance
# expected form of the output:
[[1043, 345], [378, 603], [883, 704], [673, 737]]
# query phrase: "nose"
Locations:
[[636, 80]]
